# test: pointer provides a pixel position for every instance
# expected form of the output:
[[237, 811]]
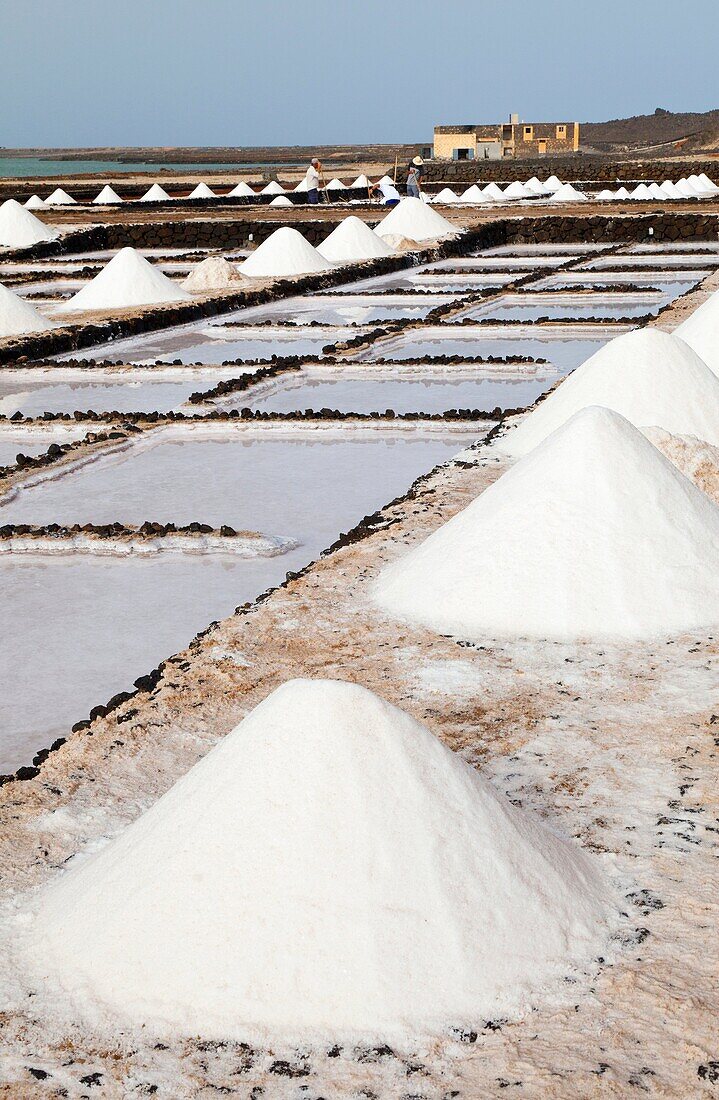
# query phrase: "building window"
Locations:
[[541, 146], [527, 132], [561, 133]]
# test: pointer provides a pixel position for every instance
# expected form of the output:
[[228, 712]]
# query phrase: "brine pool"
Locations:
[[530, 307], [33, 392], [32, 441], [348, 309], [564, 350], [78, 629], [369, 389]]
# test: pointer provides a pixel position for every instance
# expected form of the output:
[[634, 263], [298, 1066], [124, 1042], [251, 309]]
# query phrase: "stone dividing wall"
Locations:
[[575, 168]]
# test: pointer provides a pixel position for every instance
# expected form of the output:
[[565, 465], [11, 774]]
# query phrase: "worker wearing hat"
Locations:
[[414, 177]]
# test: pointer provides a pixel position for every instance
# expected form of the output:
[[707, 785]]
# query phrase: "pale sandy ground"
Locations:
[[615, 745]]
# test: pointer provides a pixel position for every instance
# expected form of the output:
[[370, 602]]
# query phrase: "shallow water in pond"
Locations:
[[366, 391], [348, 309], [564, 353], [665, 260], [531, 307], [221, 342], [14, 441], [91, 391], [76, 630], [430, 280]]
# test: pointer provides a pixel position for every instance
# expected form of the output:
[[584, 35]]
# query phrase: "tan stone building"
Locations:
[[508, 139]]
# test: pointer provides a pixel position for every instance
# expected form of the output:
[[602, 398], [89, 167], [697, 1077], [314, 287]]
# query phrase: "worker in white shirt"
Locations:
[[314, 181], [389, 193]]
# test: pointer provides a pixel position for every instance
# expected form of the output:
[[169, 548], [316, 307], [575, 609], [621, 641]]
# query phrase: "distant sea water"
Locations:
[[28, 167]]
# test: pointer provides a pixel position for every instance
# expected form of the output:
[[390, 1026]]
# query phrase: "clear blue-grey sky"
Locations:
[[286, 72]]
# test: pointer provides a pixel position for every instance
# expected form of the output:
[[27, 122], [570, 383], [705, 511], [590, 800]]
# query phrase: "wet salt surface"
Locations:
[[665, 260], [673, 285], [37, 391], [78, 631], [428, 281], [14, 441], [348, 309], [366, 390], [563, 352], [543, 249], [529, 307]]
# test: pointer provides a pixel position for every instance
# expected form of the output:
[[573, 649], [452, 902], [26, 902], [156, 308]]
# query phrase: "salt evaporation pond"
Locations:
[[367, 390], [564, 350], [530, 307], [578, 249], [65, 391], [32, 442], [674, 285], [221, 342], [686, 259], [251, 478], [348, 309], [78, 629]]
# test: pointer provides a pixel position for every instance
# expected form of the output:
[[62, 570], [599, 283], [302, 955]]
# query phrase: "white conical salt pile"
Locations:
[[517, 190], [281, 200], [240, 190], [301, 187], [107, 196], [670, 189], [708, 184], [34, 203], [214, 273], [415, 219], [649, 376], [18, 316], [361, 181], [621, 193], [695, 458], [536, 186], [699, 185], [491, 191], [446, 195], [328, 870], [272, 188], [701, 332], [552, 184], [656, 192], [155, 194], [605, 195], [59, 198], [473, 194], [202, 191], [128, 280], [594, 534], [641, 191], [386, 179], [567, 193], [353, 240], [687, 189], [19, 228], [336, 185], [285, 252]]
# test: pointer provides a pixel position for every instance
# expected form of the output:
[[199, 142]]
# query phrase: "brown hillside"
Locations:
[[662, 126]]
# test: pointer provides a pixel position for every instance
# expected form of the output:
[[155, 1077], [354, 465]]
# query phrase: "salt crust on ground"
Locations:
[[701, 331], [285, 252], [127, 280], [214, 273], [19, 228], [107, 196], [18, 316], [352, 240], [649, 376], [594, 534], [696, 459], [415, 219], [329, 869]]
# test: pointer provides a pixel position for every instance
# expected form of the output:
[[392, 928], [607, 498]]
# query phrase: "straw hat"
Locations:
[[417, 160]]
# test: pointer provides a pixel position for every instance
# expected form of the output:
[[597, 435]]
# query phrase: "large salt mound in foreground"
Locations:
[[353, 240], [128, 280], [285, 252], [19, 228], [594, 534], [701, 331], [648, 376], [415, 219], [328, 869], [18, 316]]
